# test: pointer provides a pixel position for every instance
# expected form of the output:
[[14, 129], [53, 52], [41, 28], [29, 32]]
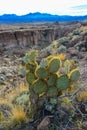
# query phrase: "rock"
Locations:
[[73, 52], [82, 55], [38, 35], [21, 38], [1, 127], [26, 127], [44, 124], [84, 125], [2, 79]]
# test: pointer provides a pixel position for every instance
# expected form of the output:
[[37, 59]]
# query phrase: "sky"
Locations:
[[58, 7]]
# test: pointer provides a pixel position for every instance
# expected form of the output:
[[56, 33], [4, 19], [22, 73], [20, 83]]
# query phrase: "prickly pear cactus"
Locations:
[[39, 87], [62, 82], [49, 57], [52, 92], [74, 75], [54, 65], [41, 73], [67, 66], [51, 81], [30, 78], [31, 66], [43, 63], [48, 78], [32, 55]]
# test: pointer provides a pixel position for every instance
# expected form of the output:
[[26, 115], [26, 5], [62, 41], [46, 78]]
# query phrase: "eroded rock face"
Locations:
[[7, 40], [41, 35], [24, 38], [21, 36]]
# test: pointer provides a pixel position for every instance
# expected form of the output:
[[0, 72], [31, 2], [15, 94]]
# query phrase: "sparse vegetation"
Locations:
[[49, 92]]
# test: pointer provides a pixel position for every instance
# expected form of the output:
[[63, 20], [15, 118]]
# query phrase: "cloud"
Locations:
[[81, 7], [60, 7], [79, 10]]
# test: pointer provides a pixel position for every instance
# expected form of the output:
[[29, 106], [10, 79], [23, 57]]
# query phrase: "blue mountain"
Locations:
[[39, 17]]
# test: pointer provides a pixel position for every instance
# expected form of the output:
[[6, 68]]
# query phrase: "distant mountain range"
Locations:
[[39, 17]]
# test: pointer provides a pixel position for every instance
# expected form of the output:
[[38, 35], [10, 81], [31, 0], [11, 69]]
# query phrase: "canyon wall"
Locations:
[[26, 36]]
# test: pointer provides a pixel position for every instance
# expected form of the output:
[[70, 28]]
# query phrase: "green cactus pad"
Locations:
[[49, 58], [74, 75], [32, 55], [52, 79], [62, 82], [43, 63], [54, 65], [39, 86], [23, 71], [41, 73], [52, 92], [67, 66], [31, 66], [30, 78], [26, 58]]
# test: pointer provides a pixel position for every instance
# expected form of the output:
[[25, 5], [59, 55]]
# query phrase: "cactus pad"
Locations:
[[43, 63], [74, 75], [39, 86], [62, 82], [52, 92], [41, 73], [54, 65], [52, 79], [49, 58], [32, 55], [26, 58], [67, 66], [30, 77], [31, 66]]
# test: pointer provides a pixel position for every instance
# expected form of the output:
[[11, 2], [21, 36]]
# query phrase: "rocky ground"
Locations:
[[10, 69], [11, 78]]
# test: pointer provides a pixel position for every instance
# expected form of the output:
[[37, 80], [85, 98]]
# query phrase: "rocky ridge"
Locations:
[[20, 36]]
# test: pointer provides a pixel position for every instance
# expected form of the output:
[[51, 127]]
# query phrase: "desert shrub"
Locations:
[[76, 32], [22, 100], [82, 96], [75, 37], [5, 107], [80, 46], [61, 49], [63, 41], [83, 30], [17, 117]]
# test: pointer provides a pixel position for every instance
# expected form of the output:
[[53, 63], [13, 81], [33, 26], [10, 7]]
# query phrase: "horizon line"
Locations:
[[41, 13]]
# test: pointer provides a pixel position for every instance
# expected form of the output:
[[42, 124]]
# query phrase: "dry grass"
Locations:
[[82, 96], [61, 56], [16, 92], [18, 115], [5, 102], [83, 30]]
